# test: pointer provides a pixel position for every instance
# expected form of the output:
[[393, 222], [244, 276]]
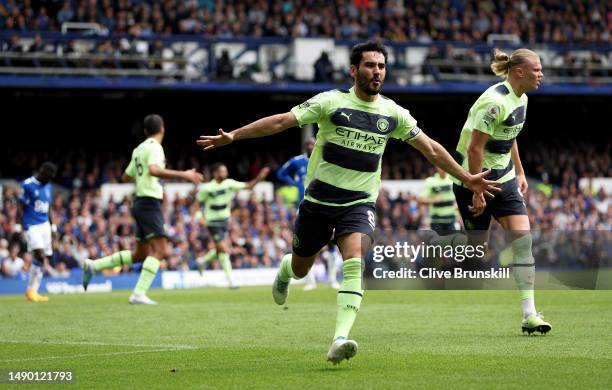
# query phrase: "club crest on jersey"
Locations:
[[493, 111], [382, 124]]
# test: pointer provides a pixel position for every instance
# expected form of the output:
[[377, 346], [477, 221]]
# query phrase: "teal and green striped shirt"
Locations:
[[217, 198], [501, 114], [344, 168], [442, 211]]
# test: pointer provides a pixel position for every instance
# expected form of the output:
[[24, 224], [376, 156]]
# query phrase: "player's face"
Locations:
[[46, 175], [221, 173], [532, 73], [370, 76]]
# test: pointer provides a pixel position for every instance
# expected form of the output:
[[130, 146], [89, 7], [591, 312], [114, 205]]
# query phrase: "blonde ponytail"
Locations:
[[503, 62]]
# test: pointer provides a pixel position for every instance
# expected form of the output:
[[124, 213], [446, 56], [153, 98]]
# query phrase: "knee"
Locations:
[[522, 246]]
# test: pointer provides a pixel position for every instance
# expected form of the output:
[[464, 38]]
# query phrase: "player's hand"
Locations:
[[193, 176], [521, 181], [478, 204], [478, 184], [208, 142]]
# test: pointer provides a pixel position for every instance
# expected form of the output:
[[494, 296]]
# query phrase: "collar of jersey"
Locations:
[[35, 180], [509, 86], [363, 102]]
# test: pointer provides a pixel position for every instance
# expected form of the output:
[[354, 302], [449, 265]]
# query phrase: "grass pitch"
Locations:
[[216, 338]]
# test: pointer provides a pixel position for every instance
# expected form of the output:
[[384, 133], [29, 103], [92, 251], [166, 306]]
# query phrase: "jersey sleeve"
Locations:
[[407, 128], [285, 173], [131, 168], [202, 195], [312, 110], [156, 156], [485, 115], [236, 185], [426, 191]]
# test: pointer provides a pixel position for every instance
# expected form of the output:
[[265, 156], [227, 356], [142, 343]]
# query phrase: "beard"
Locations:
[[364, 84]]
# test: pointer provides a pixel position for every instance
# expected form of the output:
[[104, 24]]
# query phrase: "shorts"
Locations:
[[39, 237], [508, 201], [149, 218], [443, 229], [316, 224], [218, 232]]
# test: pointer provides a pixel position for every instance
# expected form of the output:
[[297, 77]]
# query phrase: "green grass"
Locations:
[[216, 338]]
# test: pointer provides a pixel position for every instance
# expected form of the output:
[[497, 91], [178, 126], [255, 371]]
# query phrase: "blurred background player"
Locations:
[[146, 167], [35, 201], [488, 141], [438, 194], [216, 197], [343, 178]]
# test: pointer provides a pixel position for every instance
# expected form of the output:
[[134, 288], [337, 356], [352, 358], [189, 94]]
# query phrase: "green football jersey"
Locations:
[[344, 167], [149, 152], [501, 114], [442, 211], [217, 198]]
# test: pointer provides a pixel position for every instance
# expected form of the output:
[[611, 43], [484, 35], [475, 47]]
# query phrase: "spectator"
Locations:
[[225, 68], [13, 266], [323, 69]]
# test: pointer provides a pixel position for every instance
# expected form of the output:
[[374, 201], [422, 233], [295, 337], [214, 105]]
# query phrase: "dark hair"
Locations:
[[49, 168], [357, 51], [153, 124], [216, 166]]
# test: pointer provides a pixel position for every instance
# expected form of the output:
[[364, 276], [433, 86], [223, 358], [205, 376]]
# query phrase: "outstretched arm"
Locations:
[[260, 128], [188, 175], [437, 155], [260, 176]]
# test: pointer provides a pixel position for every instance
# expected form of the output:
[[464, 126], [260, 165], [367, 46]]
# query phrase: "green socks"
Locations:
[[210, 256], [349, 297], [286, 272], [114, 260], [149, 270], [524, 272], [226, 264]]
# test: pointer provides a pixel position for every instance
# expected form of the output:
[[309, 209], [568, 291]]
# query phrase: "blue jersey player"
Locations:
[[293, 172], [35, 201]]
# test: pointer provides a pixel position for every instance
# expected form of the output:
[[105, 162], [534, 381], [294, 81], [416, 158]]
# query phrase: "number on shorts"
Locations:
[[371, 219]]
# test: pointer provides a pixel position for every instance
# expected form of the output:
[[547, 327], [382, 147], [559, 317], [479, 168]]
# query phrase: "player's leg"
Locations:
[[352, 247], [517, 228], [222, 249], [312, 230], [212, 255], [354, 234], [332, 267], [511, 212], [117, 259], [35, 277], [38, 238], [159, 248]]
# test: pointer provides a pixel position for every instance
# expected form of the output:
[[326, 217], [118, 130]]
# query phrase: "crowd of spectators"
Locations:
[[261, 232], [467, 21]]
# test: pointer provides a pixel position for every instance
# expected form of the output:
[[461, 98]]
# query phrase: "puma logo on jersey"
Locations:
[[347, 116]]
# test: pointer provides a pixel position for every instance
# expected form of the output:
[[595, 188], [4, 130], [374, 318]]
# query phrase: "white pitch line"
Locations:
[[99, 344], [89, 355]]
